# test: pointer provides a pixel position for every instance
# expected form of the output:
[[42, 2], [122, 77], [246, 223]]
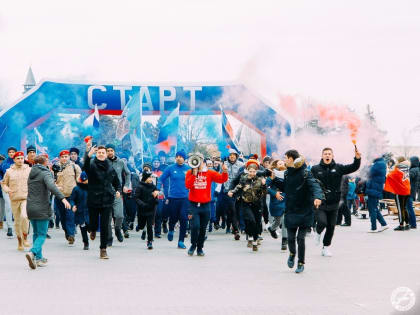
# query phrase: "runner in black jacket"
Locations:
[[330, 175]]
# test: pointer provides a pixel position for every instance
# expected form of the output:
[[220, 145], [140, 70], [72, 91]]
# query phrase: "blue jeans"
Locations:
[[199, 221], [374, 212], [411, 213], [213, 211], [66, 217], [161, 216], [40, 229], [178, 211]]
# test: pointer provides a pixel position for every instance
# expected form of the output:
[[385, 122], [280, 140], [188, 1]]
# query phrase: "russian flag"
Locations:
[[168, 132], [93, 119], [228, 133]]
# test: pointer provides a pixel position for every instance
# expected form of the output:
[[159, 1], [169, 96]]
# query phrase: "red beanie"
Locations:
[[252, 161]]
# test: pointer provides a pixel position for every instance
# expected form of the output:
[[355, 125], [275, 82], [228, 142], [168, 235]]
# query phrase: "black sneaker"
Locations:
[[345, 224], [413, 227], [200, 252], [399, 228], [299, 268], [223, 225], [216, 226], [119, 235], [137, 228], [51, 224], [291, 261], [191, 250], [9, 232], [237, 236], [131, 226], [407, 227], [149, 245], [126, 234], [109, 244], [48, 236], [273, 233], [284, 244], [86, 246], [143, 235], [158, 236]]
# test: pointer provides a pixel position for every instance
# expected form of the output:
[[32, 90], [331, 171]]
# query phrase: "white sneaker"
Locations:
[[383, 228], [326, 252], [373, 231], [317, 239]]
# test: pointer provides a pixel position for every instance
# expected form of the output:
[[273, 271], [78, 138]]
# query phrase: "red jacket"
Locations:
[[398, 180], [200, 185]]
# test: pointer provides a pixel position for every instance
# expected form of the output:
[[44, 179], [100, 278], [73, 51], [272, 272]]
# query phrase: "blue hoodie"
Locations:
[[176, 175], [5, 166], [376, 180]]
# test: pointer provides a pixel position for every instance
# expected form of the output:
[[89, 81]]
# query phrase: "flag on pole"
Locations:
[[228, 133], [130, 117], [168, 132], [93, 119]]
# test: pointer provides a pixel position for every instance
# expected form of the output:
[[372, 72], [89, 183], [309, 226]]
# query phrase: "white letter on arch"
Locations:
[[90, 92], [163, 98], [192, 90], [122, 90], [144, 92]]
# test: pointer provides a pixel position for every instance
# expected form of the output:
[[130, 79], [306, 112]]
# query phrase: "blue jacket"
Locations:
[[376, 180], [276, 207], [176, 175], [5, 166], [351, 195], [78, 198]]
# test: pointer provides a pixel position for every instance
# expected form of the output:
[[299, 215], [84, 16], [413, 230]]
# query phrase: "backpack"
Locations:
[[325, 191]]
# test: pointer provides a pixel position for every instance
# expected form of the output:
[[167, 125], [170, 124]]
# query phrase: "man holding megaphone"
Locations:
[[199, 180]]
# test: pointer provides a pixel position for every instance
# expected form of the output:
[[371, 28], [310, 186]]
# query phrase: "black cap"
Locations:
[[30, 148], [75, 150], [11, 148]]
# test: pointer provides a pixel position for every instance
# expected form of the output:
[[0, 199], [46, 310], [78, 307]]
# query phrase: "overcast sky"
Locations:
[[346, 52]]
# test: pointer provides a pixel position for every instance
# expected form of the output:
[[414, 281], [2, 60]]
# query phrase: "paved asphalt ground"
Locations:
[[230, 279]]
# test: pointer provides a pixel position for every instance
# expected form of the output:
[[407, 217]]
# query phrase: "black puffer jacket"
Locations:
[[414, 176], [146, 203], [40, 184], [301, 189], [103, 182], [331, 175]]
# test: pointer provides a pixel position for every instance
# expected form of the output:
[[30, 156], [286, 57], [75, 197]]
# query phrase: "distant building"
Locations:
[[29, 82]]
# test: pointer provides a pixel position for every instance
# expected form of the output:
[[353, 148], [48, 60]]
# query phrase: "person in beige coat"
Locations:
[[67, 174], [15, 184]]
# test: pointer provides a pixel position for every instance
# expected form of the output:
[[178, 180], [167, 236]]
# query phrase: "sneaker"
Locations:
[[200, 252], [228, 231], [273, 233], [300, 268], [149, 245], [345, 224], [317, 239], [237, 237], [326, 252], [373, 231], [399, 228], [291, 261], [164, 228], [51, 224], [1, 225], [210, 227], [109, 243], [216, 226], [254, 246], [31, 260], [170, 236], [249, 243], [131, 226], [92, 235], [181, 245], [86, 246], [191, 250], [143, 235], [103, 254], [158, 236], [223, 225], [119, 235], [413, 227], [48, 236], [383, 228], [284, 244], [126, 234], [9, 233], [41, 263], [407, 227], [137, 228], [71, 240]]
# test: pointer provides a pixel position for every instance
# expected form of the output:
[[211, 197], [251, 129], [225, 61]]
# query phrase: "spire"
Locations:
[[29, 82]]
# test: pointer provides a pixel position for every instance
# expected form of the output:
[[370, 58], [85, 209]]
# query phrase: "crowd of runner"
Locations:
[[103, 193]]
